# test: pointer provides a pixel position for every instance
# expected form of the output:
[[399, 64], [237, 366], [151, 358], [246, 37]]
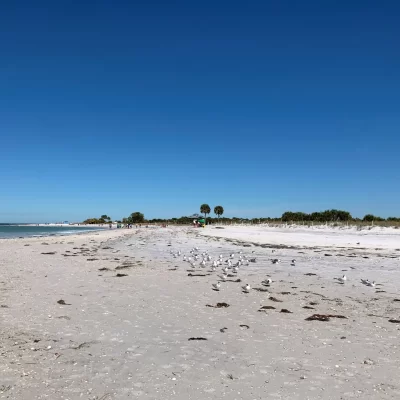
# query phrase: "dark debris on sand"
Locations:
[[218, 305], [266, 308], [324, 317], [63, 303]]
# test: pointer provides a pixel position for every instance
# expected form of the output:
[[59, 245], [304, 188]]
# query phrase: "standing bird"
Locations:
[[343, 279], [216, 286], [246, 288], [267, 281]]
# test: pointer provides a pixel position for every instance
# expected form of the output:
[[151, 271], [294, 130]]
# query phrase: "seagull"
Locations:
[[229, 263], [232, 255], [220, 256], [216, 286], [343, 279], [209, 258], [365, 281], [184, 258], [275, 261], [179, 253], [223, 277], [371, 284], [203, 263], [267, 281], [246, 288], [213, 268], [189, 259], [215, 264], [235, 270], [225, 269]]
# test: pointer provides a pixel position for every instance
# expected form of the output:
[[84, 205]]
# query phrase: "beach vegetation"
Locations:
[[98, 221], [136, 218], [218, 211], [372, 218], [205, 209], [323, 216]]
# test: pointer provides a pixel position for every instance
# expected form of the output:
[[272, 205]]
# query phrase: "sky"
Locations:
[[111, 107]]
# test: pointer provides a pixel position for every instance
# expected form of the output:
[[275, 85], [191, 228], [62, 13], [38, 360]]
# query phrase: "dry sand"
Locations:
[[127, 337]]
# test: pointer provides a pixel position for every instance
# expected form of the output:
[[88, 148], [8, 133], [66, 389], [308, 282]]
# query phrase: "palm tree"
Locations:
[[218, 211], [205, 209]]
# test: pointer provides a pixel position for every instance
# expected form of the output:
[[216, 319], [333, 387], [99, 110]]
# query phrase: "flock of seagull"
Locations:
[[230, 268], [365, 282]]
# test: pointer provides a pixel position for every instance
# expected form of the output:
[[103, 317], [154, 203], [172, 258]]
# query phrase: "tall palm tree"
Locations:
[[205, 209], [218, 211]]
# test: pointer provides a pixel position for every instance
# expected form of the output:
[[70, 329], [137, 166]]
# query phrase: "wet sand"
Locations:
[[109, 315]]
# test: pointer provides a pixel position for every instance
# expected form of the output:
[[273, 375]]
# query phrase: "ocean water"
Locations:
[[17, 231]]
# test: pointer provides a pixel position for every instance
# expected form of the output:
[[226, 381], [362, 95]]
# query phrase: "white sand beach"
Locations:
[[110, 314]]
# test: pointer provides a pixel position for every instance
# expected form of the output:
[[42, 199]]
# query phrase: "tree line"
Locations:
[[331, 216], [288, 216]]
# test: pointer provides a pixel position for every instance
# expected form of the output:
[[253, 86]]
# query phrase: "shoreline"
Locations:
[[69, 235]]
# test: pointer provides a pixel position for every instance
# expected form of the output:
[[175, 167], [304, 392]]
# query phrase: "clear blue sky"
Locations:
[[258, 106]]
